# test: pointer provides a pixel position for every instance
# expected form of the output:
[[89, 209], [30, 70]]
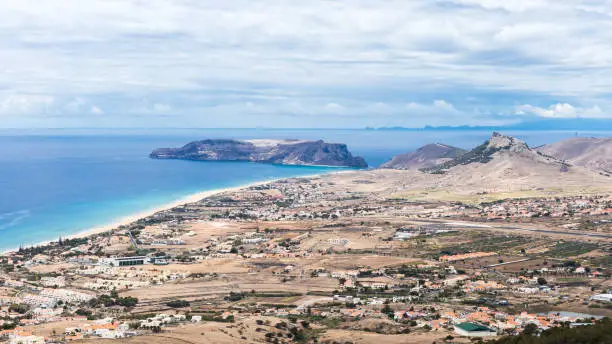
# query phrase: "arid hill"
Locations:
[[592, 153], [426, 156], [500, 146], [501, 165]]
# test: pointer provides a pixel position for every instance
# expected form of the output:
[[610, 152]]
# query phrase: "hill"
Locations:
[[502, 147], [426, 156], [502, 166], [592, 153], [286, 152]]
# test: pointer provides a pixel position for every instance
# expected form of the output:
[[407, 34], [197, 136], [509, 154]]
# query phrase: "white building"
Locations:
[[602, 297]]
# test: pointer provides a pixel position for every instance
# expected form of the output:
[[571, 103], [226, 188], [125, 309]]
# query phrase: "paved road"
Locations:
[[134, 242], [536, 230], [582, 234]]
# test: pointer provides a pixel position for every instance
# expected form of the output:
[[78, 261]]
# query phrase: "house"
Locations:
[[470, 329], [27, 340], [602, 297]]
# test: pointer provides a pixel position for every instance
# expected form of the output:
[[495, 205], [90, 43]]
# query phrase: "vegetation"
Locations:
[[479, 154], [599, 333], [178, 304], [571, 248], [113, 300], [19, 308]]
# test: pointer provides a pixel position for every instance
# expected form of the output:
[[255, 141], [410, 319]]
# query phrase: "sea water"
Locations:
[[60, 182]]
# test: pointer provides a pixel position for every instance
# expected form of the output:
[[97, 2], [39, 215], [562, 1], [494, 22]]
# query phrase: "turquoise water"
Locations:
[[54, 186], [60, 182]]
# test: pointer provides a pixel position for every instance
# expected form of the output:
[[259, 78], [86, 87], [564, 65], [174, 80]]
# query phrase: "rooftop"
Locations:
[[473, 327]]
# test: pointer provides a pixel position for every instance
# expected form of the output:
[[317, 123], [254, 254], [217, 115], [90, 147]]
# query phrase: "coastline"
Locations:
[[195, 197]]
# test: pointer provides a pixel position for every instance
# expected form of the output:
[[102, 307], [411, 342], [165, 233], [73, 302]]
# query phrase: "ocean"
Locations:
[[60, 182]]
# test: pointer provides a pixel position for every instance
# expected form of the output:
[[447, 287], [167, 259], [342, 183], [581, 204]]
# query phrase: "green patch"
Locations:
[[571, 249]]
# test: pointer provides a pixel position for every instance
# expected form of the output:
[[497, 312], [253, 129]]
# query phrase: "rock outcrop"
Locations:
[[426, 156], [285, 152]]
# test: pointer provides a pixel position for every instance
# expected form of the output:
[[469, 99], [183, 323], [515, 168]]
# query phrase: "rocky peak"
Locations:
[[499, 141]]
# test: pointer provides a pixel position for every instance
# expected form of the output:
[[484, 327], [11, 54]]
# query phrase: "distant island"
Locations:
[[284, 152], [569, 124]]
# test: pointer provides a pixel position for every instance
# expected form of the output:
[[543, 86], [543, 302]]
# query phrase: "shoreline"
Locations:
[[191, 198]]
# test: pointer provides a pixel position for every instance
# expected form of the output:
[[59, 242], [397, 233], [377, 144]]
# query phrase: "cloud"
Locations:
[[19, 104], [352, 59], [562, 110], [161, 108], [96, 110], [334, 109]]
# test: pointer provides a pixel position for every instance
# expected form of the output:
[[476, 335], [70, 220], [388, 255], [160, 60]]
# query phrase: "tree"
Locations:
[[127, 301], [530, 329], [178, 304], [542, 281], [388, 311]]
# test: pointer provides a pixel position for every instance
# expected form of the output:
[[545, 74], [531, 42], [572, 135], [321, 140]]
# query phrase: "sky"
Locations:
[[302, 64]]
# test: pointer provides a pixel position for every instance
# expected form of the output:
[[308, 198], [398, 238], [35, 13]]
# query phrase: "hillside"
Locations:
[[286, 152], [592, 153], [426, 156], [500, 146], [502, 166]]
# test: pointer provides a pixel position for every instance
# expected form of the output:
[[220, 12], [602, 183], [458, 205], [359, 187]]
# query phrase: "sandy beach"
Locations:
[[135, 217]]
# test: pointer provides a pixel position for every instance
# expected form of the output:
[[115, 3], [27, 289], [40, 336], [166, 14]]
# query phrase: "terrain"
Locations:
[[503, 236], [502, 167], [426, 156], [287, 152], [592, 153]]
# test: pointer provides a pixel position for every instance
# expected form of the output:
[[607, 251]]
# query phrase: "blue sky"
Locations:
[[279, 63]]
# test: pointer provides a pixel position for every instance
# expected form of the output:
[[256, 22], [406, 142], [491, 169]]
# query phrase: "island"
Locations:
[[284, 152]]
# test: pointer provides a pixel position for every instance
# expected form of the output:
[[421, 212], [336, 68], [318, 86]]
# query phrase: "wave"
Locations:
[[11, 219]]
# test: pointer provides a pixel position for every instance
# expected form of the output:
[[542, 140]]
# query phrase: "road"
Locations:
[[535, 230], [547, 231]]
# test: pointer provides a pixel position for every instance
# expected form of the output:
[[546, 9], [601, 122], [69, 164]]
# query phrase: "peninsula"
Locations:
[[284, 152]]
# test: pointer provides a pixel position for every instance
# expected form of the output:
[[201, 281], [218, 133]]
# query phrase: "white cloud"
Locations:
[[334, 108], [437, 107], [442, 104], [19, 104], [161, 108], [307, 55], [561, 110], [96, 110]]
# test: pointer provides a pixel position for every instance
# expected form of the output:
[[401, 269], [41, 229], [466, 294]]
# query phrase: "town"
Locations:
[[318, 259]]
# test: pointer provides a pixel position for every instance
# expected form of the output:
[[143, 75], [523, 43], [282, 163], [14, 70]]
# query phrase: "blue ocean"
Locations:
[[59, 182]]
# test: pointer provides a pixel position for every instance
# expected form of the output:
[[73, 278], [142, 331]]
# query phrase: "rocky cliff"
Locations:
[[286, 152]]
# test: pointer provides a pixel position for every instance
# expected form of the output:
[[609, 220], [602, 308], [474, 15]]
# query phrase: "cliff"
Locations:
[[286, 152]]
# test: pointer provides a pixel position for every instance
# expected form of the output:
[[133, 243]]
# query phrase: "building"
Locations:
[[470, 329], [160, 260], [125, 261], [602, 297]]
